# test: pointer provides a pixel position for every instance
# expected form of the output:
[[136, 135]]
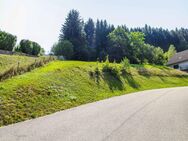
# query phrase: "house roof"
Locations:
[[179, 57]]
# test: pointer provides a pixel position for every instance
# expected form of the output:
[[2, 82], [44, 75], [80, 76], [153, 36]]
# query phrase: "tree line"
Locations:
[[91, 41], [8, 42], [164, 37]]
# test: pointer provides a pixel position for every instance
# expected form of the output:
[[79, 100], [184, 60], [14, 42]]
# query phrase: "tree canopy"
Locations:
[[30, 48], [64, 48], [96, 40], [72, 30], [7, 41]]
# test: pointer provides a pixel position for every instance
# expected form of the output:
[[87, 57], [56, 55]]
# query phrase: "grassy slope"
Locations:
[[61, 85], [8, 61]]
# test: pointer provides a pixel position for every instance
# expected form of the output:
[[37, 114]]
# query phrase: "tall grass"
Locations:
[[20, 69]]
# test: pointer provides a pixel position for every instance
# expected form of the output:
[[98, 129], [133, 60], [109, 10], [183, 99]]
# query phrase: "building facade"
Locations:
[[179, 61]]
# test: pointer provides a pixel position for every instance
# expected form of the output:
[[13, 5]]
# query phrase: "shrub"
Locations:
[[112, 69], [95, 74], [125, 64], [106, 63]]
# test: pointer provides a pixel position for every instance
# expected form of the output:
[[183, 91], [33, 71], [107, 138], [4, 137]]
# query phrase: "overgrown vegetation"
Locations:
[[16, 65], [64, 84], [125, 63]]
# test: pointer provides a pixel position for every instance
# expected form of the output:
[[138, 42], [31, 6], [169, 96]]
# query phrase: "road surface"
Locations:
[[154, 115]]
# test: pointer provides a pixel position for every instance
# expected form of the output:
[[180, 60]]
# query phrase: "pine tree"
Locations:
[[72, 30], [89, 29], [102, 31], [72, 27]]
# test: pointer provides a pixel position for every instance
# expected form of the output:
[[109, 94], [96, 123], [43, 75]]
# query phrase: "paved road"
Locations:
[[156, 115]]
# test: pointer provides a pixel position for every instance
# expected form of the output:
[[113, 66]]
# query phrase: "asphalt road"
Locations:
[[156, 115]]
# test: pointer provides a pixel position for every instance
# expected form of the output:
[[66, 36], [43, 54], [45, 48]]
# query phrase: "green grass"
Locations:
[[61, 85], [8, 61], [12, 65]]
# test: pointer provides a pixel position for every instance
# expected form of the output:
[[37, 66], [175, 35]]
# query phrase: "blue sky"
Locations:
[[41, 20]]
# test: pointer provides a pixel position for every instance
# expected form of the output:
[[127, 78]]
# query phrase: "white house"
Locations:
[[179, 61]]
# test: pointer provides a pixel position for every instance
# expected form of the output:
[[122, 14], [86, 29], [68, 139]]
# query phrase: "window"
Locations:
[[176, 66]]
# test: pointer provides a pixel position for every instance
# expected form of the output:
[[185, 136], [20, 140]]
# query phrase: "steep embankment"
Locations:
[[61, 85]]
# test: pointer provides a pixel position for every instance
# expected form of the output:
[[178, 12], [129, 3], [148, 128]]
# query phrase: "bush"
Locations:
[[111, 68], [125, 64], [106, 63]]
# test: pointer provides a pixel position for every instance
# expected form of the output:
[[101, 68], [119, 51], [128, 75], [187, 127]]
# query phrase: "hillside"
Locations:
[[12, 65], [65, 84], [8, 61]]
